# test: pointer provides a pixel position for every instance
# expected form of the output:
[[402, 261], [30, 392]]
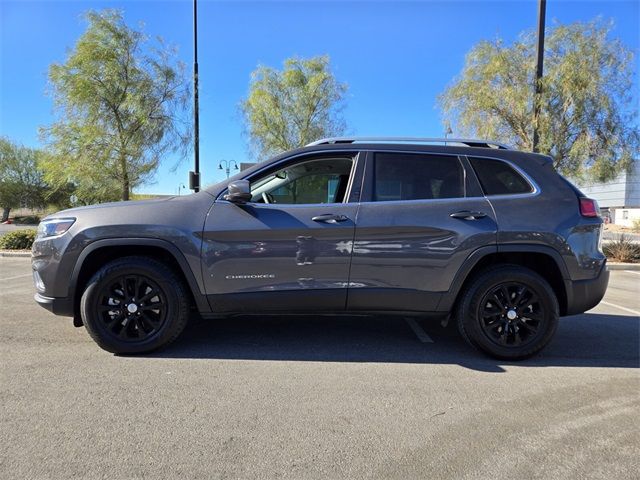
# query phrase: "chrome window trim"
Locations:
[[355, 155], [417, 152], [535, 189]]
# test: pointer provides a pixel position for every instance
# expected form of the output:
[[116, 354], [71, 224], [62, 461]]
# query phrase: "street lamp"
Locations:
[[227, 166], [447, 132], [180, 187]]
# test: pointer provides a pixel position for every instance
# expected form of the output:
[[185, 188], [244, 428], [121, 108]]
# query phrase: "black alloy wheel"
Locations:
[[508, 311], [511, 314], [135, 305], [132, 307]]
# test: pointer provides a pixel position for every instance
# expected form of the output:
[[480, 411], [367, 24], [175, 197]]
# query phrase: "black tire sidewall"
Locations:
[[469, 308], [171, 287]]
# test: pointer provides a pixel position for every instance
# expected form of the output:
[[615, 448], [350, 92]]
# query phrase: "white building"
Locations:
[[619, 198]]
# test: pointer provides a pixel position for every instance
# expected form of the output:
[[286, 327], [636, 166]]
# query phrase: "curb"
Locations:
[[623, 266], [15, 253]]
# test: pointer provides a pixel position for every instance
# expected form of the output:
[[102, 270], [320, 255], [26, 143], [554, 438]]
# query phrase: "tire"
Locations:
[[118, 322], [486, 309]]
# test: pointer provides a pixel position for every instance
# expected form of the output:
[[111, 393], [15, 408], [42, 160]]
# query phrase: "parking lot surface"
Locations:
[[320, 397]]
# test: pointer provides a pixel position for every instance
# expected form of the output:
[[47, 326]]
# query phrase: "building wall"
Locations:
[[622, 193]]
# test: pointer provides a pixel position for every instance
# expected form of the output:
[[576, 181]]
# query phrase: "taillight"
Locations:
[[589, 207]]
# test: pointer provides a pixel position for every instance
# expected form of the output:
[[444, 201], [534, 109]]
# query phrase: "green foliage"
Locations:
[[289, 108], [622, 250], [635, 225], [587, 107], [27, 220], [121, 102], [18, 239], [21, 179]]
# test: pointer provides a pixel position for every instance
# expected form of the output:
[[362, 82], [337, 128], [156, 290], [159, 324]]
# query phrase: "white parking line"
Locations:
[[17, 276], [631, 271], [635, 312], [417, 329]]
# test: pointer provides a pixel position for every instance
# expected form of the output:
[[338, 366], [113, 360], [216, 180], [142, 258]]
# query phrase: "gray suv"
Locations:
[[491, 237]]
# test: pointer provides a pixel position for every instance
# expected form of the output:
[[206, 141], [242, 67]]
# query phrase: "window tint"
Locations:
[[311, 181], [499, 178], [400, 176]]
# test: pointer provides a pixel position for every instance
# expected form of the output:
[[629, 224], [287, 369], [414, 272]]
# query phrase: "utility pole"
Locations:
[[194, 177], [542, 9]]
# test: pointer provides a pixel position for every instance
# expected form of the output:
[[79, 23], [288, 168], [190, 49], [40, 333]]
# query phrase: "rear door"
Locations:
[[420, 217], [289, 249]]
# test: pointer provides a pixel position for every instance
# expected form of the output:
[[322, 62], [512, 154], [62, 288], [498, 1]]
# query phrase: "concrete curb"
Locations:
[[623, 266], [15, 253]]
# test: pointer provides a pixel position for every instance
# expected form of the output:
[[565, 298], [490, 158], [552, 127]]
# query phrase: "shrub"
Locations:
[[18, 240], [635, 226], [622, 250], [27, 220]]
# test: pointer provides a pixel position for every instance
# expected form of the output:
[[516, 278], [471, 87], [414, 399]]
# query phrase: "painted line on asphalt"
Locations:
[[631, 271], [17, 276], [417, 329], [635, 312]]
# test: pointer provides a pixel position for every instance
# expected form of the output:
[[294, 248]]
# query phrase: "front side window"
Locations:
[[499, 178], [308, 182], [410, 176]]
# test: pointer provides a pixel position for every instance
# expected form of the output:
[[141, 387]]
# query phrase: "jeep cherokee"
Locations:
[[469, 229]]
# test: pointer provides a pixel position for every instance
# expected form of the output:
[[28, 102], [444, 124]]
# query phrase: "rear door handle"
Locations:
[[468, 215], [330, 218]]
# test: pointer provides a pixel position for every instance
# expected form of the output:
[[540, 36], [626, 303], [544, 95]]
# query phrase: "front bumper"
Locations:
[[57, 306], [583, 295]]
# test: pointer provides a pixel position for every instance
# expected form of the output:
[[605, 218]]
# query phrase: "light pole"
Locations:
[[447, 132], [194, 177], [227, 166], [542, 10], [180, 187]]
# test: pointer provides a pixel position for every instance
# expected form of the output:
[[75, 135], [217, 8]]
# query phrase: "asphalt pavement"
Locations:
[[318, 397]]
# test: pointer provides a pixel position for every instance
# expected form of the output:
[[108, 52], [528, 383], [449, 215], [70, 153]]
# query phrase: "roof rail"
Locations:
[[469, 142]]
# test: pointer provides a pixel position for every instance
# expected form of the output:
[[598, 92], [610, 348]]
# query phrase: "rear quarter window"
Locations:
[[499, 178]]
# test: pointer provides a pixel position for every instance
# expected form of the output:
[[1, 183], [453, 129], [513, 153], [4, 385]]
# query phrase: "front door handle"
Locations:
[[330, 218], [468, 215]]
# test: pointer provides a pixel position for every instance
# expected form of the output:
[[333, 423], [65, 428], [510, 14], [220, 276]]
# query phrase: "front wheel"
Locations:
[[134, 305], [508, 312]]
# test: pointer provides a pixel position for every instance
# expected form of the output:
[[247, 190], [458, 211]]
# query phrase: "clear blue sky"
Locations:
[[395, 56]]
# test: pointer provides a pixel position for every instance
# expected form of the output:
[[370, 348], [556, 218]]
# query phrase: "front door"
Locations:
[[289, 248], [419, 220]]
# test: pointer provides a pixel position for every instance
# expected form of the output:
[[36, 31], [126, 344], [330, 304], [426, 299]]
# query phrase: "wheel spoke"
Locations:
[[507, 296], [148, 296], [152, 306]]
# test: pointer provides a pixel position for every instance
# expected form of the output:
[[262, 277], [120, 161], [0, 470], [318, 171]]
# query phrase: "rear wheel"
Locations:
[[134, 305], [508, 312]]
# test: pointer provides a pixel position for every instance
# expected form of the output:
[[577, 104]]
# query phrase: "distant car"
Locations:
[[489, 236]]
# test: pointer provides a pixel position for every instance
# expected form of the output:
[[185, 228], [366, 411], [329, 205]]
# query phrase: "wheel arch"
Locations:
[[98, 253], [545, 261]]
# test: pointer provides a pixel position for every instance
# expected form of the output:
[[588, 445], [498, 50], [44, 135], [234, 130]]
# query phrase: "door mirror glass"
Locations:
[[238, 191]]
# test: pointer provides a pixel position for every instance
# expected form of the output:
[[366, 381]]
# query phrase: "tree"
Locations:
[[120, 101], [290, 108], [587, 120], [21, 180]]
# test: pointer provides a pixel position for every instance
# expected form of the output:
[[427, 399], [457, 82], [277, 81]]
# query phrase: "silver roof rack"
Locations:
[[469, 142]]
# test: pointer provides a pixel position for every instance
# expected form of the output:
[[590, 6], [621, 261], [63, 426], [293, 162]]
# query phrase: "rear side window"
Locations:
[[409, 176], [499, 178]]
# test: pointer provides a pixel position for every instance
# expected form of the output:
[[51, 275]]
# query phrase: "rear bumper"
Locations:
[[57, 306], [583, 295]]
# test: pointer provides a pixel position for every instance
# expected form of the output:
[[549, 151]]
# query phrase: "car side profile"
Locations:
[[470, 230]]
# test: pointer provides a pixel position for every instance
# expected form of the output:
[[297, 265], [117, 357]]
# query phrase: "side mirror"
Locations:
[[238, 192]]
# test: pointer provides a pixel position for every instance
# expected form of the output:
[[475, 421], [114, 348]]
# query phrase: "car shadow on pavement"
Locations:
[[587, 340]]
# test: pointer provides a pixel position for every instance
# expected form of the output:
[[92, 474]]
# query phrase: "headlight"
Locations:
[[54, 227]]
